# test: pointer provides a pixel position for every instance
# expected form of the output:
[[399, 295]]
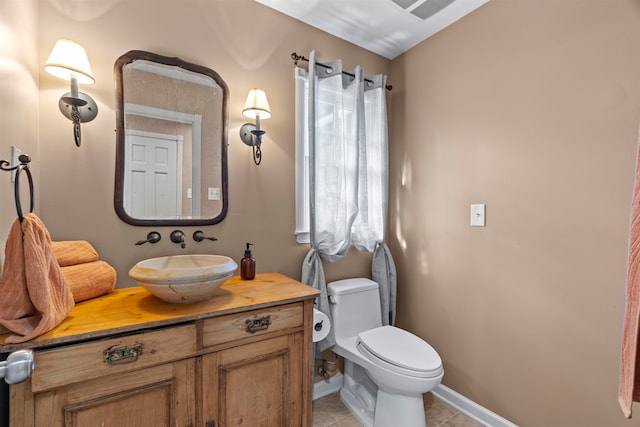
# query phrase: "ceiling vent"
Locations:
[[423, 9], [429, 8], [386, 27], [405, 4]]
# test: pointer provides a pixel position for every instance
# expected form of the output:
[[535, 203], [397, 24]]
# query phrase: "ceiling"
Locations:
[[386, 27]]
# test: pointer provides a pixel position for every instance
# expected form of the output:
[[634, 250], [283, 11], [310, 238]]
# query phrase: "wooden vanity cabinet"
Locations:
[[254, 385], [242, 358], [159, 396], [141, 379]]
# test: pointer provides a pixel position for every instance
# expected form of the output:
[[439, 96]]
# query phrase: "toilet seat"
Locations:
[[399, 351]]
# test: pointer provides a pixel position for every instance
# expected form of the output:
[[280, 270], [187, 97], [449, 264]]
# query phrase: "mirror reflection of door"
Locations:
[[149, 120], [168, 96], [153, 175]]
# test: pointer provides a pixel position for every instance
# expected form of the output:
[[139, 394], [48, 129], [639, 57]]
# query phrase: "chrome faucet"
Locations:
[[177, 236]]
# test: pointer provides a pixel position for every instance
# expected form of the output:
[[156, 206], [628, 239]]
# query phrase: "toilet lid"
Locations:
[[402, 350]]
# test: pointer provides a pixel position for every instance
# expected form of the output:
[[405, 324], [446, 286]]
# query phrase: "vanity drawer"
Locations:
[[93, 359], [224, 329]]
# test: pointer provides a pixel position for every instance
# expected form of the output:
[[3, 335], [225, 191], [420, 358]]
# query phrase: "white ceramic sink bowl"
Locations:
[[183, 279]]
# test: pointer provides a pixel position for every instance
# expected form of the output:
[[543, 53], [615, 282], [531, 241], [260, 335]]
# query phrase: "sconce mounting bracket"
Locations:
[[88, 108], [246, 134]]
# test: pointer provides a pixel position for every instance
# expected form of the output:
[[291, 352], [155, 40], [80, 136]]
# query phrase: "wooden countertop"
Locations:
[[130, 309]]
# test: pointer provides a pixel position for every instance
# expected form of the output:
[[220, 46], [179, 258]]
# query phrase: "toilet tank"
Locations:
[[355, 306]]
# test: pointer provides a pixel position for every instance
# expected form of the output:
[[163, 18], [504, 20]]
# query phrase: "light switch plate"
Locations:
[[477, 215]]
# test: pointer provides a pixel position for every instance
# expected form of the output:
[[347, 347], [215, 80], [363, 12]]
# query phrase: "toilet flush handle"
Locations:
[[331, 299]]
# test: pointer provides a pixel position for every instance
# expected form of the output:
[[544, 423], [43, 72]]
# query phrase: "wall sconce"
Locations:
[[68, 61], [256, 107]]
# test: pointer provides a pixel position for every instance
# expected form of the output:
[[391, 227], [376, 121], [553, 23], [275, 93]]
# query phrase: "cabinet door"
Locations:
[[258, 384], [159, 396]]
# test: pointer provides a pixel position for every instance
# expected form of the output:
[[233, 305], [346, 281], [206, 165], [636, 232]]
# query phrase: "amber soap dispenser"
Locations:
[[248, 265]]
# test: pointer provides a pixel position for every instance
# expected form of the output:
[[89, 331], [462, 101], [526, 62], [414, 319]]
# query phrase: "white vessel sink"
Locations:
[[183, 278]]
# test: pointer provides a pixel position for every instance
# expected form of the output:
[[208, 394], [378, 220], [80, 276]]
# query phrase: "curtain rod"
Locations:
[[297, 58]]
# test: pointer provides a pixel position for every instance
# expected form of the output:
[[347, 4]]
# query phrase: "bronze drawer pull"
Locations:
[[122, 355], [259, 324]]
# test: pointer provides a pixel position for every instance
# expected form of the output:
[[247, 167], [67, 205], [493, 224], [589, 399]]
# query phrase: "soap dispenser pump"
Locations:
[[248, 265]]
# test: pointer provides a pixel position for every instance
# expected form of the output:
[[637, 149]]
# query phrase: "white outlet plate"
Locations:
[[478, 215], [214, 193]]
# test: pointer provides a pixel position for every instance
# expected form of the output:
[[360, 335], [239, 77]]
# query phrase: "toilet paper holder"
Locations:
[[321, 325]]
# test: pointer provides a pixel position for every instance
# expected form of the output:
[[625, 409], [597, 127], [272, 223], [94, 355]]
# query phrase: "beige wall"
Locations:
[[532, 107], [18, 100], [249, 45]]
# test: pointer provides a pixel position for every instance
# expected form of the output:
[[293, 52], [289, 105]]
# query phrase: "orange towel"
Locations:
[[629, 390], [90, 280], [35, 295], [74, 252]]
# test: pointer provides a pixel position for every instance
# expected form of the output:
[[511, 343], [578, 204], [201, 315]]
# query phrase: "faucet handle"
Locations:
[[199, 236], [177, 236], [153, 237]]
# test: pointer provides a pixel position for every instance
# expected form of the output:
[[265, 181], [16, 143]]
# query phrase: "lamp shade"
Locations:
[[257, 105], [67, 60]]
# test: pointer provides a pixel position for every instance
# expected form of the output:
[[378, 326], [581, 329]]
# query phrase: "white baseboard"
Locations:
[[442, 392], [323, 388], [470, 408]]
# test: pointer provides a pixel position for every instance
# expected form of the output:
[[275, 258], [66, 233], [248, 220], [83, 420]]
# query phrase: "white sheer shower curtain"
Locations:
[[348, 176]]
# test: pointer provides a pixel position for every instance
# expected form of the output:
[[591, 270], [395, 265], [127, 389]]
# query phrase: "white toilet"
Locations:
[[386, 369]]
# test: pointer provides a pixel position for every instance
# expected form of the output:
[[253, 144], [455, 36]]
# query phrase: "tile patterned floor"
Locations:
[[329, 411]]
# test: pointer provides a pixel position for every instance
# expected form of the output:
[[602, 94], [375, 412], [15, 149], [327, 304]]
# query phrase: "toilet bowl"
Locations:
[[387, 369]]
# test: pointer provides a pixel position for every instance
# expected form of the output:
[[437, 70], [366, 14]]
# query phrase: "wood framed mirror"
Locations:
[[171, 150]]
